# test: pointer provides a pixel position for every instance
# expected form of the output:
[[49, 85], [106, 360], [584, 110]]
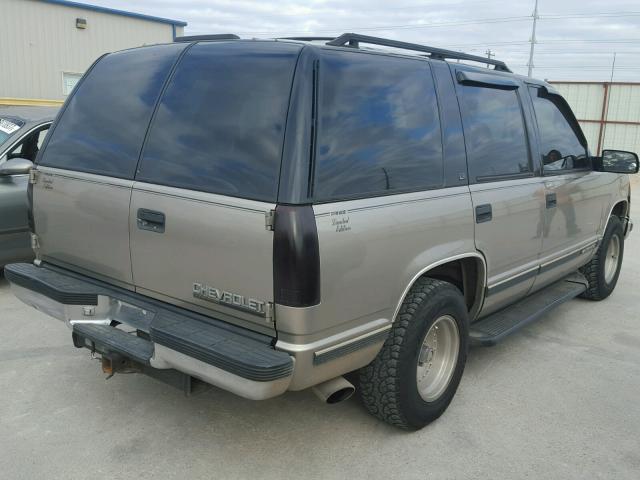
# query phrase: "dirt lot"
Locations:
[[559, 400]]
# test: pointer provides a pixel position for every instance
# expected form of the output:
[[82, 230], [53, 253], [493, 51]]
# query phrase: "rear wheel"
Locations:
[[415, 375], [603, 270]]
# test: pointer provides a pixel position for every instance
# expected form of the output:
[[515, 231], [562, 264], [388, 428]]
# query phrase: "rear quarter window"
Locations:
[[103, 125], [378, 128], [220, 124]]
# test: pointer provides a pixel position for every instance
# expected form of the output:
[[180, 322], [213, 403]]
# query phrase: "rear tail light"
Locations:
[[296, 257]]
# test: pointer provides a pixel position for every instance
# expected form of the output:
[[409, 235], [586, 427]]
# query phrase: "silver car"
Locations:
[[22, 131], [270, 216]]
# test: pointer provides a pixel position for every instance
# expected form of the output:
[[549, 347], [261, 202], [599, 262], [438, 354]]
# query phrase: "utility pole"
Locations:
[[489, 55], [533, 39]]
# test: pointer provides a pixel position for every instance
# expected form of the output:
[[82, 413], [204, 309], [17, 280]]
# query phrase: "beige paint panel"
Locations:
[[512, 240], [210, 239], [371, 250], [581, 200], [82, 221]]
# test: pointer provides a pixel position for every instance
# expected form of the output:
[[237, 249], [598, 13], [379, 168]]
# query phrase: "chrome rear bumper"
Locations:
[[237, 360]]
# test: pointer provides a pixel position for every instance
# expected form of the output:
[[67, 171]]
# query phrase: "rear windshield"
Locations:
[[102, 128], [220, 124]]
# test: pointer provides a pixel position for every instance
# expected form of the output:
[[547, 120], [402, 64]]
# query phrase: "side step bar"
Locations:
[[490, 330]]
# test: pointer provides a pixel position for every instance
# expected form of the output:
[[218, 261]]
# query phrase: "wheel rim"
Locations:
[[437, 358], [612, 258]]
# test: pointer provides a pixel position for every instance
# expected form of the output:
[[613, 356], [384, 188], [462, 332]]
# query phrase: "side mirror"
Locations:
[[15, 166], [617, 161]]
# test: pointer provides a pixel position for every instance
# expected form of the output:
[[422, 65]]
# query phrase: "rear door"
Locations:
[[208, 178], [81, 198], [506, 188]]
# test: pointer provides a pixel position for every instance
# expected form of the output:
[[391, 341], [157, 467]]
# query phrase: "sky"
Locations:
[[576, 39]]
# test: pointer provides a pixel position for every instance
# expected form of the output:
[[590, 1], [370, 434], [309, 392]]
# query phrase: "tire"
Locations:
[[389, 386], [599, 272]]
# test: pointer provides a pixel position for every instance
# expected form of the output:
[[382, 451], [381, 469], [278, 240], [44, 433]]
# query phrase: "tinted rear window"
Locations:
[[220, 124], [379, 128], [102, 128]]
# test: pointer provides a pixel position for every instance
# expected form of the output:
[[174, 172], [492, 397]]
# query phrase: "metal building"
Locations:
[[608, 112], [48, 44]]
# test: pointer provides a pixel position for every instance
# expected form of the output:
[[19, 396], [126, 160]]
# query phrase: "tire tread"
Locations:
[[379, 381]]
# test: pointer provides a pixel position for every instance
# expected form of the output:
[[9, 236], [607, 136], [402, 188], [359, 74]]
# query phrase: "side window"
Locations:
[[103, 126], [378, 127], [41, 136], [494, 133], [560, 145], [219, 127], [28, 148]]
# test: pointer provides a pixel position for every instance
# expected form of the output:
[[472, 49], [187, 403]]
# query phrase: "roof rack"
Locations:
[[219, 36], [354, 39], [307, 39]]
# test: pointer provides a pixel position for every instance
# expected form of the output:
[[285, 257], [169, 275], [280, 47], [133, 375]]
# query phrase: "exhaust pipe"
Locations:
[[334, 391]]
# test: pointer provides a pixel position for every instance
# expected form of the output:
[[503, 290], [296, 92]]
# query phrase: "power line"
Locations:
[[400, 27], [483, 21], [592, 67], [551, 40], [590, 15]]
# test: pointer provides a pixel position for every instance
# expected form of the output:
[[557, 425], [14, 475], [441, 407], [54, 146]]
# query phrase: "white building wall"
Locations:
[[585, 99], [621, 128], [40, 41]]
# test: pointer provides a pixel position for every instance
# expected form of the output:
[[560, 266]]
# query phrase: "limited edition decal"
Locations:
[[340, 221]]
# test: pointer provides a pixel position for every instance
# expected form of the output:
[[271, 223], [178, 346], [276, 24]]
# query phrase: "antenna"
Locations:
[[608, 92]]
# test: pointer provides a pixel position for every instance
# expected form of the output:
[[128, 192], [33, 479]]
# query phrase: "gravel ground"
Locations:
[[559, 400]]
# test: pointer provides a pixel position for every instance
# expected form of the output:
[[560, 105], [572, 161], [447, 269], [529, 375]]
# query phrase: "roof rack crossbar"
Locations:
[[354, 40], [307, 39], [218, 36]]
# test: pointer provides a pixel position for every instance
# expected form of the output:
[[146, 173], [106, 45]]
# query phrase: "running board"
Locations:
[[490, 330]]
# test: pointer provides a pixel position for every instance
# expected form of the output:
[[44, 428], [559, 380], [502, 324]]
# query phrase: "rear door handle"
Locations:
[[151, 220], [484, 213], [552, 200]]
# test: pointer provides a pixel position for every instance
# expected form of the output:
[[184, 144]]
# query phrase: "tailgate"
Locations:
[[207, 176], [212, 254]]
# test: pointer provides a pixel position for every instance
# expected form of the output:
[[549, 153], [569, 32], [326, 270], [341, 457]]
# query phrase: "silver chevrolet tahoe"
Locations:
[[266, 216]]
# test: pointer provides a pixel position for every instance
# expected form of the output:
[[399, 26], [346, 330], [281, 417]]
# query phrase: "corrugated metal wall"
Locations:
[[609, 113], [39, 41]]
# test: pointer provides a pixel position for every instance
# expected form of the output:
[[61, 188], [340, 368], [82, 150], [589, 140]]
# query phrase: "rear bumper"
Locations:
[[162, 336]]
